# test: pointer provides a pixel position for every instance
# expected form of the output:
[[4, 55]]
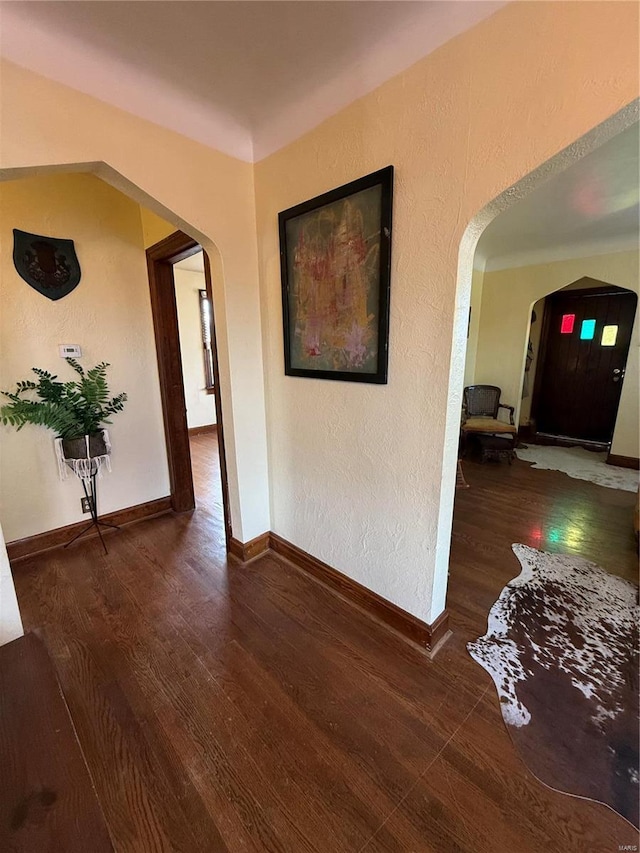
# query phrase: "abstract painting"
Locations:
[[335, 254]]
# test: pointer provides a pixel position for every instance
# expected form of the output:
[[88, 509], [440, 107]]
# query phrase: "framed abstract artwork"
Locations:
[[335, 257]]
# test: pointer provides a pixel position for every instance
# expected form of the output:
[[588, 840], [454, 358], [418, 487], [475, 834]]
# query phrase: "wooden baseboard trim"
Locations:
[[428, 638], [246, 551], [623, 461], [440, 632], [546, 440], [21, 549], [200, 430]]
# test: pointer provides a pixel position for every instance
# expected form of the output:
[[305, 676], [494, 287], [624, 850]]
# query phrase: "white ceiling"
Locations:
[[194, 263], [244, 77], [248, 77], [591, 208]]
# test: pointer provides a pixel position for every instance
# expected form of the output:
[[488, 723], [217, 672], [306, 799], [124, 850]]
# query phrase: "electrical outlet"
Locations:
[[86, 505]]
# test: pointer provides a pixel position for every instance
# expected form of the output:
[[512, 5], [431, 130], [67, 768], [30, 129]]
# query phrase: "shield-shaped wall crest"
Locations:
[[48, 264]]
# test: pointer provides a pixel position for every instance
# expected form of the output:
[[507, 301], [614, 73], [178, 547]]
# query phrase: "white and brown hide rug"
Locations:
[[580, 464], [562, 648]]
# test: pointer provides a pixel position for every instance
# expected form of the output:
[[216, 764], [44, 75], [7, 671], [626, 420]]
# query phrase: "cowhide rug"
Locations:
[[562, 648], [580, 464]]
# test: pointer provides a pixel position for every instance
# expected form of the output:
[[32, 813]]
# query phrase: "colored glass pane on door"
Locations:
[[568, 322], [588, 330]]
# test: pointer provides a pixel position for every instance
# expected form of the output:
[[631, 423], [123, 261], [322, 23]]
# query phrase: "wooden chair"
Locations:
[[480, 406]]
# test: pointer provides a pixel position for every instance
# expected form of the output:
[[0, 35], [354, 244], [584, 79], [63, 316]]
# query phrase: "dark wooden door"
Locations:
[[585, 342]]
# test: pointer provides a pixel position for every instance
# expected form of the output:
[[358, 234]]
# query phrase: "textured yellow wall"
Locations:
[[205, 193], [109, 315], [357, 470], [154, 227], [535, 333], [10, 620], [507, 297]]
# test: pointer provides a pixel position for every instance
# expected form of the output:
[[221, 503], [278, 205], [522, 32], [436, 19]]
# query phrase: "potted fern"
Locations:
[[76, 411]]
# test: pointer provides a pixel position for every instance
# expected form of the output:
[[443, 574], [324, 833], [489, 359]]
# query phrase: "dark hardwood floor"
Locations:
[[47, 800], [230, 707]]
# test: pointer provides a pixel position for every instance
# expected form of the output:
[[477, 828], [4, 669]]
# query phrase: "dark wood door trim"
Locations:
[[218, 401], [542, 354], [160, 260]]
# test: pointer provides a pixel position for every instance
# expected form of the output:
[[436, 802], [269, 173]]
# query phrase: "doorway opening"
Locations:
[[179, 253], [550, 214]]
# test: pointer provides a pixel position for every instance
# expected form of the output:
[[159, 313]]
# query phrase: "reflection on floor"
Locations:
[[544, 509], [581, 464], [230, 707]]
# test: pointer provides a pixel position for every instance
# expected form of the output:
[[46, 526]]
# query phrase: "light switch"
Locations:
[[70, 351]]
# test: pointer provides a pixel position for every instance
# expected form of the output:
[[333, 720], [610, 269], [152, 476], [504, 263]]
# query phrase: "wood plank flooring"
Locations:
[[224, 707], [47, 800]]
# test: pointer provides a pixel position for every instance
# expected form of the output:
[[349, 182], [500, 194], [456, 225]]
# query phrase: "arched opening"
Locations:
[[33, 525], [591, 142]]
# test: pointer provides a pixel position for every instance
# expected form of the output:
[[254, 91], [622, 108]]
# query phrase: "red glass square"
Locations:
[[568, 322]]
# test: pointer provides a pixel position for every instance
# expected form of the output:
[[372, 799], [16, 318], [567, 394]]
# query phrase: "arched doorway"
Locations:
[[129, 348], [558, 164]]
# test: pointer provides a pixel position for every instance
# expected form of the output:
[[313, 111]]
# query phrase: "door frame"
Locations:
[[160, 260], [596, 289]]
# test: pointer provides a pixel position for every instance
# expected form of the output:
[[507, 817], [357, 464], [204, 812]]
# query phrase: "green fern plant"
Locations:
[[70, 409]]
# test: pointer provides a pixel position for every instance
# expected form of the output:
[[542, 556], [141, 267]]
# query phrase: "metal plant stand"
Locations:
[[91, 494]]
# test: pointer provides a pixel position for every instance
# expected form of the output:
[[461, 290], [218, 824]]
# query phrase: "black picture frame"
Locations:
[[335, 263]]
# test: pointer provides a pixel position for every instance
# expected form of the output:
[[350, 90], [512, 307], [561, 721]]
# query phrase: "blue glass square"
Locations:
[[588, 330]]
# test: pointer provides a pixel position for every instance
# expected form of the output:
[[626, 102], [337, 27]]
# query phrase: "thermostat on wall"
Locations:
[[70, 350]]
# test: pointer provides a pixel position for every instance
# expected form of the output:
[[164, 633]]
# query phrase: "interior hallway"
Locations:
[[235, 707]]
